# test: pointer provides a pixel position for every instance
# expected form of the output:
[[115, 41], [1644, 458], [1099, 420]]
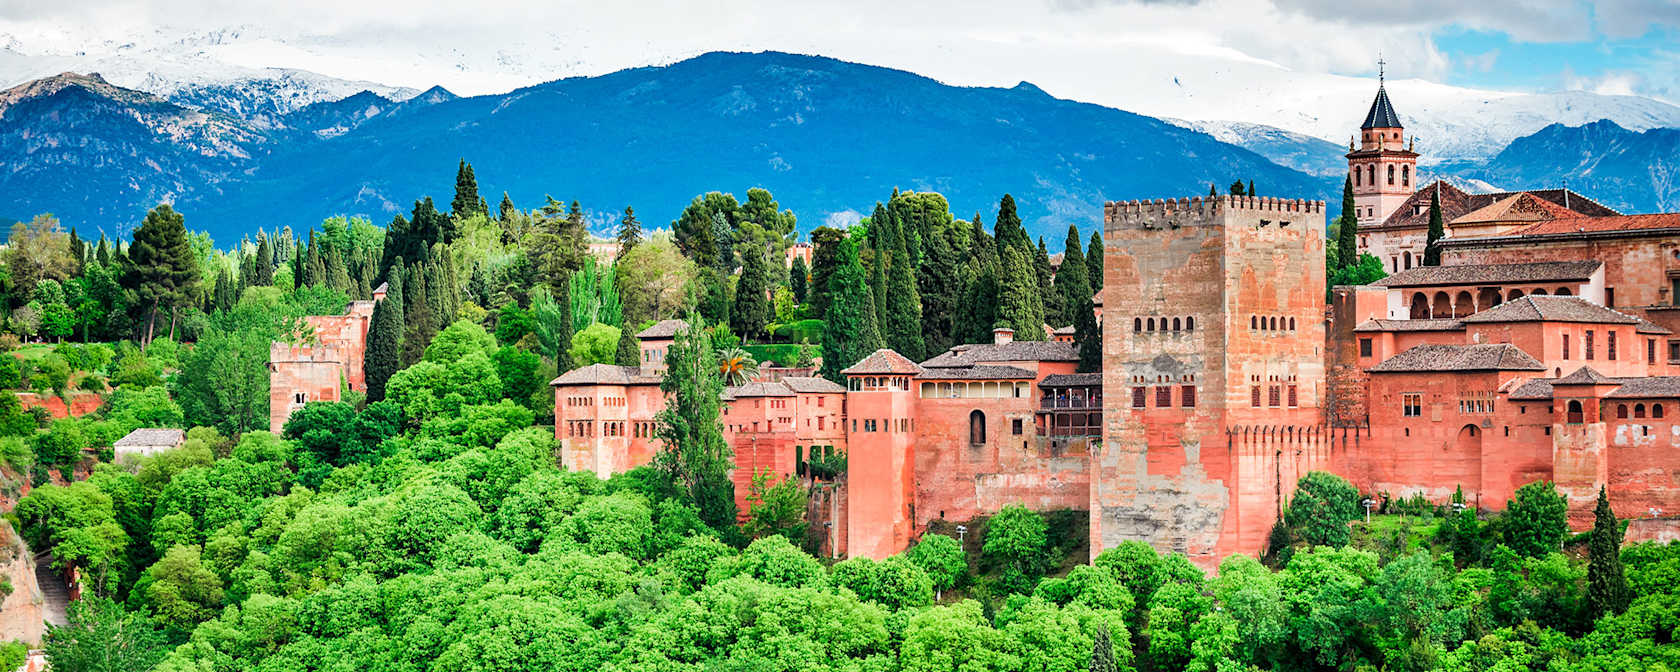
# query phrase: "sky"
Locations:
[[491, 46]]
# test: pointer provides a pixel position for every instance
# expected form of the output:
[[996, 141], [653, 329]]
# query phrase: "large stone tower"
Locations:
[[1384, 166], [1213, 367]]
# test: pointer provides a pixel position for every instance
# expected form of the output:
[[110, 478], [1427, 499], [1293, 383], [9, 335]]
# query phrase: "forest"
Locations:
[[425, 524]]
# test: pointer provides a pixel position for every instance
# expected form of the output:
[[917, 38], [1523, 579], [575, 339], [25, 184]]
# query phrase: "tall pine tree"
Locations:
[[629, 351], [384, 340], [467, 201], [1020, 307], [798, 276], [940, 283], [851, 332], [825, 260], [902, 323], [629, 232], [1048, 297], [1432, 251], [1347, 228], [417, 314], [1094, 262], [161, 268], [1607, 586], [752, 307], [881, 241], [1008, 229]]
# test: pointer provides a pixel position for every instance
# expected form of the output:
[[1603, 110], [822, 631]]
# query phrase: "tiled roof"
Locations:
[[812, 385], [1382, 112], [1013, 351], [1071, 380], [1551, 309], [883, 361], [663, 329], [1667, 220], [1492, 274], [1585, 375], [1413, 213], [1481, 357], [1410, 325], [1067, 330], [762, 389], [151, 437], [605, 374], [982, 372], [1653, 387], [1647, 327], [1514, 208]]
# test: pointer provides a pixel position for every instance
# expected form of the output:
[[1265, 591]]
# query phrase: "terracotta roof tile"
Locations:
[[1492, 274], [883, 362], [1071, 380], [1514, 208], [1413, 213], [1648, 327], [663, 329], [1013, 351], [981, 372], [812, 385], [1667, 220], [605, 374], [762, 389], [1410, 325], [1651, 387], [1585, 375], [1551, 309], [1481, 357]]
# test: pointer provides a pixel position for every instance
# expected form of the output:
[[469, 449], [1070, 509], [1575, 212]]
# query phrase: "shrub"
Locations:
[[1016, 542], [1321, 509], [1536, 521]]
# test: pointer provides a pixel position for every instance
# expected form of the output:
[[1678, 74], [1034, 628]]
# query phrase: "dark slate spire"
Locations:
[[1382, 112]]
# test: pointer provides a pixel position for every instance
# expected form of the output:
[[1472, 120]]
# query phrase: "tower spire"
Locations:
[[1382, 75]]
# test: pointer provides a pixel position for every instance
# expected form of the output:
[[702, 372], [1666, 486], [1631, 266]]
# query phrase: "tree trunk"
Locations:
[[172, 313], [151, 325]]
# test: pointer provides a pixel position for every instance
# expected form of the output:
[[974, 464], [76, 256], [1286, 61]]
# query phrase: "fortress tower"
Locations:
[[1213, 368], [1384, 166]]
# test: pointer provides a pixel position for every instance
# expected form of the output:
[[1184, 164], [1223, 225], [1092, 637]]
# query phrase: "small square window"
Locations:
[[1364, 347], [1015, 426]]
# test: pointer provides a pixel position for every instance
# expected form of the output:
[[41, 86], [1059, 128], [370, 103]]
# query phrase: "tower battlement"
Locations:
[[1199, 210]]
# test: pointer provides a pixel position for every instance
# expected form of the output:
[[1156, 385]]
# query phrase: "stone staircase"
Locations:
[[54, 592]]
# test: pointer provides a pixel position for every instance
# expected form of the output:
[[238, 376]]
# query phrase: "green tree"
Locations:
[[467, 201], [942, 558], [162, 269], [1008, 231], [1020, 305], [1432, 250], [825, 261], [736, 366], [901, 325], [752, 307], [694, 453], [1094, 261], [1322, 507], [1366, 270], [1049, 298], [1536, 520], [629, 232], [1016, 542], [775, 508], [851, 333], [1102, 653], [1237, 188], [1347, 228], [102, 637], [461, 338], [798, 277], [939, 285], [1071, 283], [384, 341], [1607, 586], [224, 381], [180, 591], [629, 352], [597, 344]]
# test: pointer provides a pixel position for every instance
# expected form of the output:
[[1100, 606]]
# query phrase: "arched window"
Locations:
[[1358, 177], [1253, 322], [1515, 294], [1189, 324], [1639, 410], [1371, 174], [1407, 256], [1538, 292], [1405, 176], [1149, 324], [1137, 324], [976, 427], [1391, 175], [1177, 325], [1621, 411], [1575, 415], [1274, 324], [1563, 291], [1656, 410], [1292, 324]]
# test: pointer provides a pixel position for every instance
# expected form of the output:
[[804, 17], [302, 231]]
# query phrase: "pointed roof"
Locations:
[[883, 362], [1585, 375], [663, 329], [604, 374], [1382, 112], [1545, 308], [1479, 357]]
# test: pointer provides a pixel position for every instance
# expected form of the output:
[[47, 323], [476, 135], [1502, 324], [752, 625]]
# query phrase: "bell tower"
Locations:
[[1383, 166]]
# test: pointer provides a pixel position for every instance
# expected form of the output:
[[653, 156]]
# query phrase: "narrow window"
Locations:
[[1364, 347], [1575, 416], [1656, 410], [1137, 324], [1015, 426], [1254, 396], [1274, 396], [1391, 174], [1639, 410], [1137, 397], [1189, 324], [1176, 325], [976, 427], [1610, 345], [1187, 396], [1650, 350], [1589, 345], [1566, 346], [1411, 405], [1294, 400], [1621, 411], [1163, 397]]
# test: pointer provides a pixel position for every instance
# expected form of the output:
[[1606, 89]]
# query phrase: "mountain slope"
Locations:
[[1631, 171], [828, 137], [1305, 153]]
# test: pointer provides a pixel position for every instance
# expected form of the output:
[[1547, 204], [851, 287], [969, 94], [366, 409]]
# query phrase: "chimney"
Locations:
[[1002, 335]]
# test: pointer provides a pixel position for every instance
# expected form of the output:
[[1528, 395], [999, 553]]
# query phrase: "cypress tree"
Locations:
[[338, 273], [224, 291], [1347, 231], [264, 265], [1237, 188], [467, 201], [629, 349], [940, 283], [825, 260], [505, 211], [300, 266], [1251, 191], [1048, 297], [1019, 305], [1213, 191], [852, 332], [798, 276], [315, 268], [103, 252], [880, 248], [752, 308], [629, 232], [1087, 332], [1102, 653], [902, 323], [1094, 262], [1072, 287], [417, 315], [384, 340], [980, 284], [1007, 229], [695, 456], [1607, 586], [1432, 252]]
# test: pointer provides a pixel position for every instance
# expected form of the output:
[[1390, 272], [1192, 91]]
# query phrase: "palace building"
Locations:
[[1542, 348]]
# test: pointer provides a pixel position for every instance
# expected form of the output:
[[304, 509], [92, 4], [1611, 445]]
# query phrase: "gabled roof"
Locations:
[[1652, 387], [1071, 380], [151, 437], [1447, 324], [1515, 208], [1013, 351], [761, 389], [1065, 331], [812, 385], [982, 372], [1382, 112], [604, 374], [883, 362], [1413, 213], [1647, 327], [663, 329], [1551, 309], [1480, 357], [1567, 225], [1585, 375], [1492, 274]]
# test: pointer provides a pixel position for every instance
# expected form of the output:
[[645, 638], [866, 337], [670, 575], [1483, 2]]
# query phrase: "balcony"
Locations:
[[1071, 402]]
